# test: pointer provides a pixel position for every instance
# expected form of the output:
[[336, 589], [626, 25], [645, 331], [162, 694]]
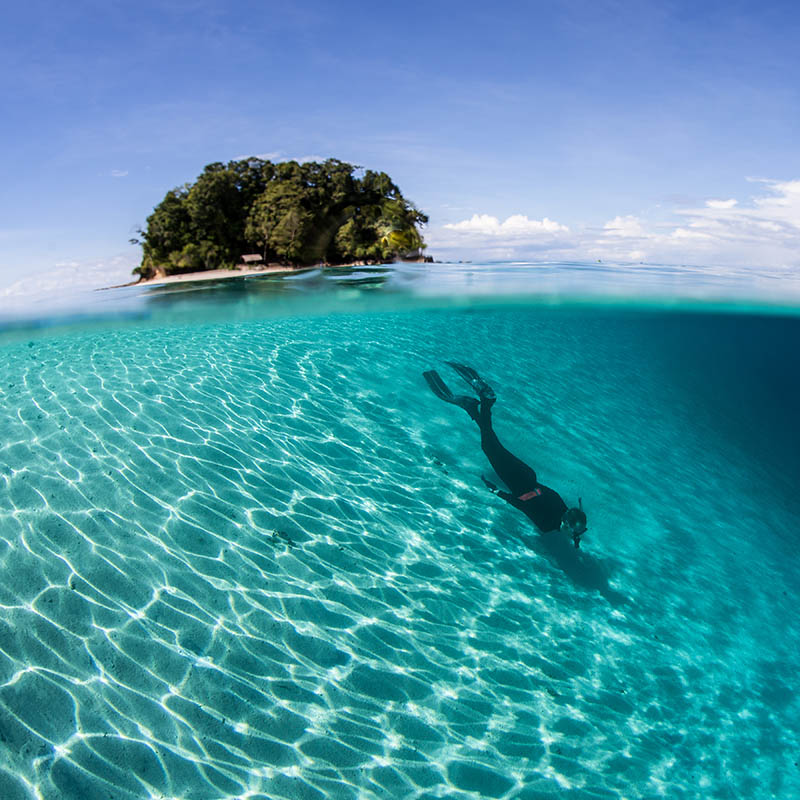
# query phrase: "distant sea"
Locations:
[[246, 553]]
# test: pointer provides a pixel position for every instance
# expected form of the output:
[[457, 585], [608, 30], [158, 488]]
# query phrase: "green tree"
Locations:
[[294, 213], [214, 204], [259, 225], [279, 220], [168, 227]]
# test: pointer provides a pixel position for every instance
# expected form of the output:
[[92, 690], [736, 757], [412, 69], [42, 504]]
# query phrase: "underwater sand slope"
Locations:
[[257, 560]]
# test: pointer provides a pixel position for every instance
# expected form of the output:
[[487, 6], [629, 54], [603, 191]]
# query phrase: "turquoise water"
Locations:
[[249, 555]]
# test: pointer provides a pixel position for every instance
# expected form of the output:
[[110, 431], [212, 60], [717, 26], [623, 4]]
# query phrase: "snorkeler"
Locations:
[[543, 506]]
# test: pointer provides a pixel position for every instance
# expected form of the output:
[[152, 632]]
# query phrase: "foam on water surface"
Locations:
[[257, 560]]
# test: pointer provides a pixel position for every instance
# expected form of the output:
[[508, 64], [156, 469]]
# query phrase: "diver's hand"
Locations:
[[489, 485]]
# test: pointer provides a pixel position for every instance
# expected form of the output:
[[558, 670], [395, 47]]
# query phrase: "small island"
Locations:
[[256, 215]]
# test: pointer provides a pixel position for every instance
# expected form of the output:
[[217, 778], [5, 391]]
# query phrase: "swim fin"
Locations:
[[442, 391], [479, 385]]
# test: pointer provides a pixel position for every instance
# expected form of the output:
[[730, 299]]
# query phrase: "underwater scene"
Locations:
[[247, 553]]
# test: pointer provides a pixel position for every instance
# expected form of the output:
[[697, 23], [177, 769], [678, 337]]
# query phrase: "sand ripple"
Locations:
[[256, 561]]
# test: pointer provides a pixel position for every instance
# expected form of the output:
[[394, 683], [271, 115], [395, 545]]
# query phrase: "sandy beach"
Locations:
[[217, 275], [211, 275]]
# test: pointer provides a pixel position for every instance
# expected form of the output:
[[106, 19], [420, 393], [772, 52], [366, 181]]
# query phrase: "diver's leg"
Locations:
[[514, 472], [442, 391]]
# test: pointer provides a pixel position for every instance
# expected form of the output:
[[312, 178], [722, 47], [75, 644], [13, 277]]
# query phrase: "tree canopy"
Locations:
[[289, 213]]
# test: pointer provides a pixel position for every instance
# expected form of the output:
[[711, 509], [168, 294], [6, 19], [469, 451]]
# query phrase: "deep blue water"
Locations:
[[246, 552]]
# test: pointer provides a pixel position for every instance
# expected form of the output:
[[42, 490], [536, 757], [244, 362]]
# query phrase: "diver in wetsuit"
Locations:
[[543, 506]]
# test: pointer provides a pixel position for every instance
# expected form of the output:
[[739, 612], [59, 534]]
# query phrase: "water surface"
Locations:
[[248, 554]]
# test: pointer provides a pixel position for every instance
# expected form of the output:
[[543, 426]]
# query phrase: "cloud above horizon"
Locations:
[[625, 227], [765, 231], [278, 156], [273, 156], [517, 225], [63, 281]]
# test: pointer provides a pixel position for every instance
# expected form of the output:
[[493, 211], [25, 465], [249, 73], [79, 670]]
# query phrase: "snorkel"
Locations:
[[574, 523]]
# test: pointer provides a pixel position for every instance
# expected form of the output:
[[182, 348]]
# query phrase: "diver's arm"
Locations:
[[507, 496]]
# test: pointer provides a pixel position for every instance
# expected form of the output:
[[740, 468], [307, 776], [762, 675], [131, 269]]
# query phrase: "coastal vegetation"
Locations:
[[287, 213]]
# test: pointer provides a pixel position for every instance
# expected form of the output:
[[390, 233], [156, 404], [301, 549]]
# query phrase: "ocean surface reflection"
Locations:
[[361, 288]]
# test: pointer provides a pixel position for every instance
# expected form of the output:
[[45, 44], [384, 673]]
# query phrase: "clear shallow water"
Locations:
[[255, 558]]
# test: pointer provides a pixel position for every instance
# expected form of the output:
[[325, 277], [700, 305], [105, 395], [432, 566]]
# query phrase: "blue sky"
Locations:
[[660, 131]]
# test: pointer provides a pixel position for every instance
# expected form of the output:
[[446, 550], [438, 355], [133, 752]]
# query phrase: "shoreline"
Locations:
[[227, 274], [210, 275]]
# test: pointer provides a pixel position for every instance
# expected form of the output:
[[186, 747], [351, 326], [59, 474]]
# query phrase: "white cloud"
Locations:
[[624, 226], [119, 173], [278, 156], [686, 233], [515, 226], [761, 231], [64, 284], [766, 231], [274, 156]]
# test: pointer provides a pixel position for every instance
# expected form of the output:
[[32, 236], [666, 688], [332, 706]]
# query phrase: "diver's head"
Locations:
[[574, 523]]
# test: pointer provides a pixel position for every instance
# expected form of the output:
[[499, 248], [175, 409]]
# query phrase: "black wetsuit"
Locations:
[[539, 503]]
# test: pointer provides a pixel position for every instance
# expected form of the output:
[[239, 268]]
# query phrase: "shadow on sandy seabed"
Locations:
[[583, 568]]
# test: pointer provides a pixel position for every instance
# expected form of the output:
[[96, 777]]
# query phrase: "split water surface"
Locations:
[[245, 553]]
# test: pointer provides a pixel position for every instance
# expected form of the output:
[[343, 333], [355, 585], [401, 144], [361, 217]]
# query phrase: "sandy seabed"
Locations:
[[256, 560]]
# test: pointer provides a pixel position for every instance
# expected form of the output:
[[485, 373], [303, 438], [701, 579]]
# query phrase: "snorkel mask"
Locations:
[[574, 523]]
